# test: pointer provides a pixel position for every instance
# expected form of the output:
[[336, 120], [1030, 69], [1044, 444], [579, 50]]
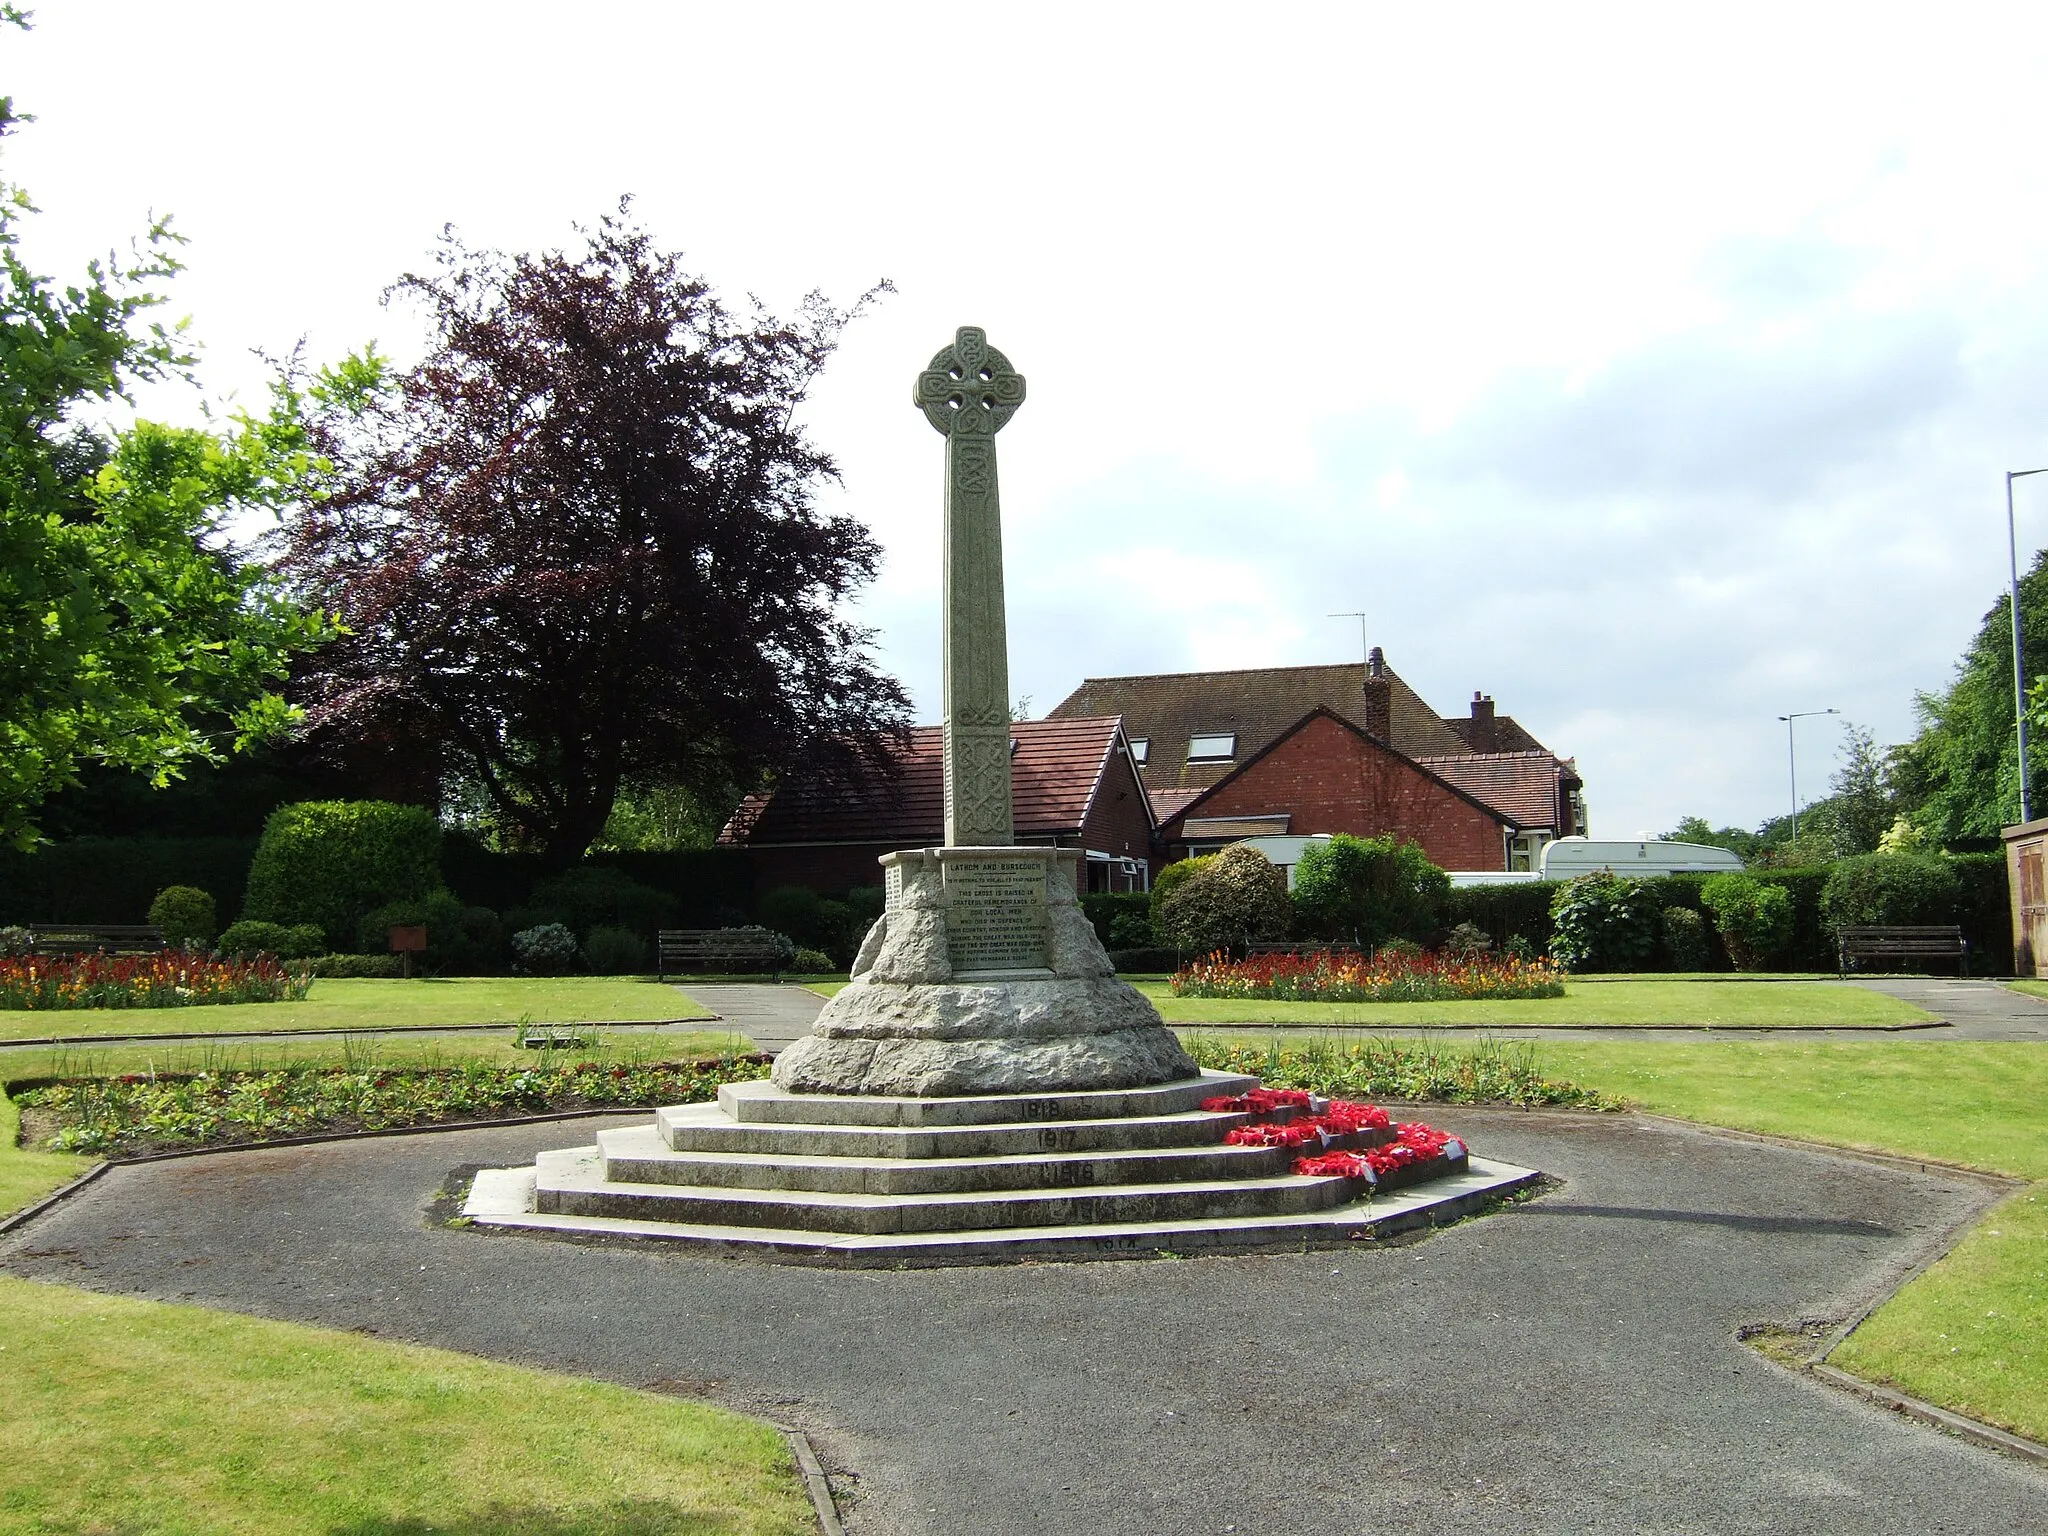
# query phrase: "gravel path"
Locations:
[[1565, 1366]]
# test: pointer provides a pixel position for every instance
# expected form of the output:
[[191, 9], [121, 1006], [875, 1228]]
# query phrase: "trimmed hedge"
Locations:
[[1122, 919], [114, 879], [332, 861], [711, 887]]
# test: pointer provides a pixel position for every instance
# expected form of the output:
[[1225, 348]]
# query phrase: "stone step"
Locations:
[[707, 1128], [761, 1102], [638, 1155], [573, 1183], [505, 1198]]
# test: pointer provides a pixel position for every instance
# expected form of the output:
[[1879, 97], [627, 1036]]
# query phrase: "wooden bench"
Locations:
[[95, 938], [1927, 943], [715, 949]]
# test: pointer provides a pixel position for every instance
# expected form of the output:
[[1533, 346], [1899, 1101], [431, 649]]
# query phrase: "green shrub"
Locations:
[[1754, 918], [613, 951], [810, 962], [357, 967], [1238, 897], [1367, 890], [591, 896], [1503, 911], [15, 941], [1602, 922], [1122, 919], [1984, 909], [1151, 961], [461, 941], [1466, 942], [1889, 890], [299, 941], [332, 861], [547, 949], [1686, 947], [1165, 884], [186, 915]]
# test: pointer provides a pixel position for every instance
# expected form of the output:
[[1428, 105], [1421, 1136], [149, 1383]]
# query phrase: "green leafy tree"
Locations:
[[1695, 829], [1603, 922], [1860, 809], [130, 634], [1959, 776], [1367, 890], [1753, 918]]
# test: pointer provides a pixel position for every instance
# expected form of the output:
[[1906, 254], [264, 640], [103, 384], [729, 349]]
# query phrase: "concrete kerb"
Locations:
[[816, 1483], [398, 1031]]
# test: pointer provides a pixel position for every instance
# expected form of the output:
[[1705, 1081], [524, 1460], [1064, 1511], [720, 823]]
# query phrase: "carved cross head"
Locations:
[[969, 390]]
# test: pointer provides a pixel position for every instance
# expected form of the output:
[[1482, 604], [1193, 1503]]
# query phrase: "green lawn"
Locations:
[[142, 1416], [2030, 986], [1972, 1332], [418, 1004], [1716, 1004]]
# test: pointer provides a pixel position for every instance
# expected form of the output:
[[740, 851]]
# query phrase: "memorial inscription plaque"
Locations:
[[995, 914]]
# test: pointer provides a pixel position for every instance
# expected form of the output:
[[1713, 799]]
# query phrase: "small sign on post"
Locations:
[[407, 939]]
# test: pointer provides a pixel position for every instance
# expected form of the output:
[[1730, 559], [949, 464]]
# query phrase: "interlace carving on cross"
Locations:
[[970, 389]]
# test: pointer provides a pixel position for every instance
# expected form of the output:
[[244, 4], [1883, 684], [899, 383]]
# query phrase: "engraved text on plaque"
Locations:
[[995, 914]]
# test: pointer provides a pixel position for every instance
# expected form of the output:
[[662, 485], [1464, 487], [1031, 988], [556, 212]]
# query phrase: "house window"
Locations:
[[1141, 747], [1217, 748]]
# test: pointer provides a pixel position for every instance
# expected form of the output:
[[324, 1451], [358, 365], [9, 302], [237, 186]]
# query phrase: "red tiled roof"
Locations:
[[1258, 704], [1168, 802], [1053, 774], [1522, 786]]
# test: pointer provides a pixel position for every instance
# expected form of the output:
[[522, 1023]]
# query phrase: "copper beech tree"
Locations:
[[578, 546]]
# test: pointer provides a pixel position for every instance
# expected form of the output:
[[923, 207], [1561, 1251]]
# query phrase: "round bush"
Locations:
[[1466, 942], [614, 951], [811, 962], [1602, 922], [549, 949], [331, 861], [186, 915], [1239, 896], [1754, 918], [1889, 890]]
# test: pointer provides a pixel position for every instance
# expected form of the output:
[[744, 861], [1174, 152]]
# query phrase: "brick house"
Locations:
[[1345, 748], [1072, 785]]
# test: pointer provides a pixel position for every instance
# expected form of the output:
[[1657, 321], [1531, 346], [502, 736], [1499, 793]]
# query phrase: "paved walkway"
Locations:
[[1977, 1010], [1564, 1366], [770, 1016]]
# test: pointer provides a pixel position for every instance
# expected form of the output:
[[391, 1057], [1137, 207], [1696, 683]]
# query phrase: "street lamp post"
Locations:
[[1792, 758], [2019, 668]]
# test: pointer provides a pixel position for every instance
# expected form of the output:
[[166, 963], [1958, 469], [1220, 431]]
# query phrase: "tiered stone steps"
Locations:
[[881, 1180]]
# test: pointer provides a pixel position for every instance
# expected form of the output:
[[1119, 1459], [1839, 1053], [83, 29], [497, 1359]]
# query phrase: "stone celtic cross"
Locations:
[[969, 393]]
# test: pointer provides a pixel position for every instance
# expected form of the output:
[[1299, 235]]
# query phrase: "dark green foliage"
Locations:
[[461, 941], [332, 861], [710, 887], [591, 895], [546, 949], [186, 915], [1367, 890], [1753, 917], [250, 937], [1887, 890], [1984, 909], [798, 911], [1603, 922], [113, 879], [1697, 829], [1145, 962], [1686, 947], [1122, 919], [1466, 941], [612, 951], [1503, 911], [812, 962], [1236, 898], [357, 967]]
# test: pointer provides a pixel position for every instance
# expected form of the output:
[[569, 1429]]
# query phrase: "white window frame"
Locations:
[[1208, 739]]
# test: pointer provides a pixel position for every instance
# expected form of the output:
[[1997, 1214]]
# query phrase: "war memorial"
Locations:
[[985, 1087]]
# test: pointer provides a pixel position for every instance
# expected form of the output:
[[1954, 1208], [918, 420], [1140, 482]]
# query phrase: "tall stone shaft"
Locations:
[[968, 393]]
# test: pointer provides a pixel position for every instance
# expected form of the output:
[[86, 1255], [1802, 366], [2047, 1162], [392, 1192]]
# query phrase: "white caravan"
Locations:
[[1569, 857]]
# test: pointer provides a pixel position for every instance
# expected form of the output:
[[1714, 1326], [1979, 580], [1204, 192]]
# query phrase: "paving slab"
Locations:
[[1566, 1365], [772, 1016]]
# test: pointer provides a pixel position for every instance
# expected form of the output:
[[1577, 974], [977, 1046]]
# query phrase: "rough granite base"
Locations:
[[908, 1026]]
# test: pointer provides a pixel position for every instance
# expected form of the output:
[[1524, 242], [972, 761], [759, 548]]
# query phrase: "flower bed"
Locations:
[[1322, 977], [169, 979], [144, 1113]]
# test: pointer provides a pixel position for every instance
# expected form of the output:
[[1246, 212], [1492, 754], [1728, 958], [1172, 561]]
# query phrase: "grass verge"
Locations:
[[1604, 1004], [1971, 1333], [337, 1003], [174, 1419]]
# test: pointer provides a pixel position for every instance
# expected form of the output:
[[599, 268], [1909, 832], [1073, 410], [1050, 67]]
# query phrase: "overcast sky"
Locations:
[[1657, 377]]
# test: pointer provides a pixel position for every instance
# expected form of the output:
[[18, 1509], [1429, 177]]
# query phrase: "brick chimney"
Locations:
[[1379, 697], [1484, 737]]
